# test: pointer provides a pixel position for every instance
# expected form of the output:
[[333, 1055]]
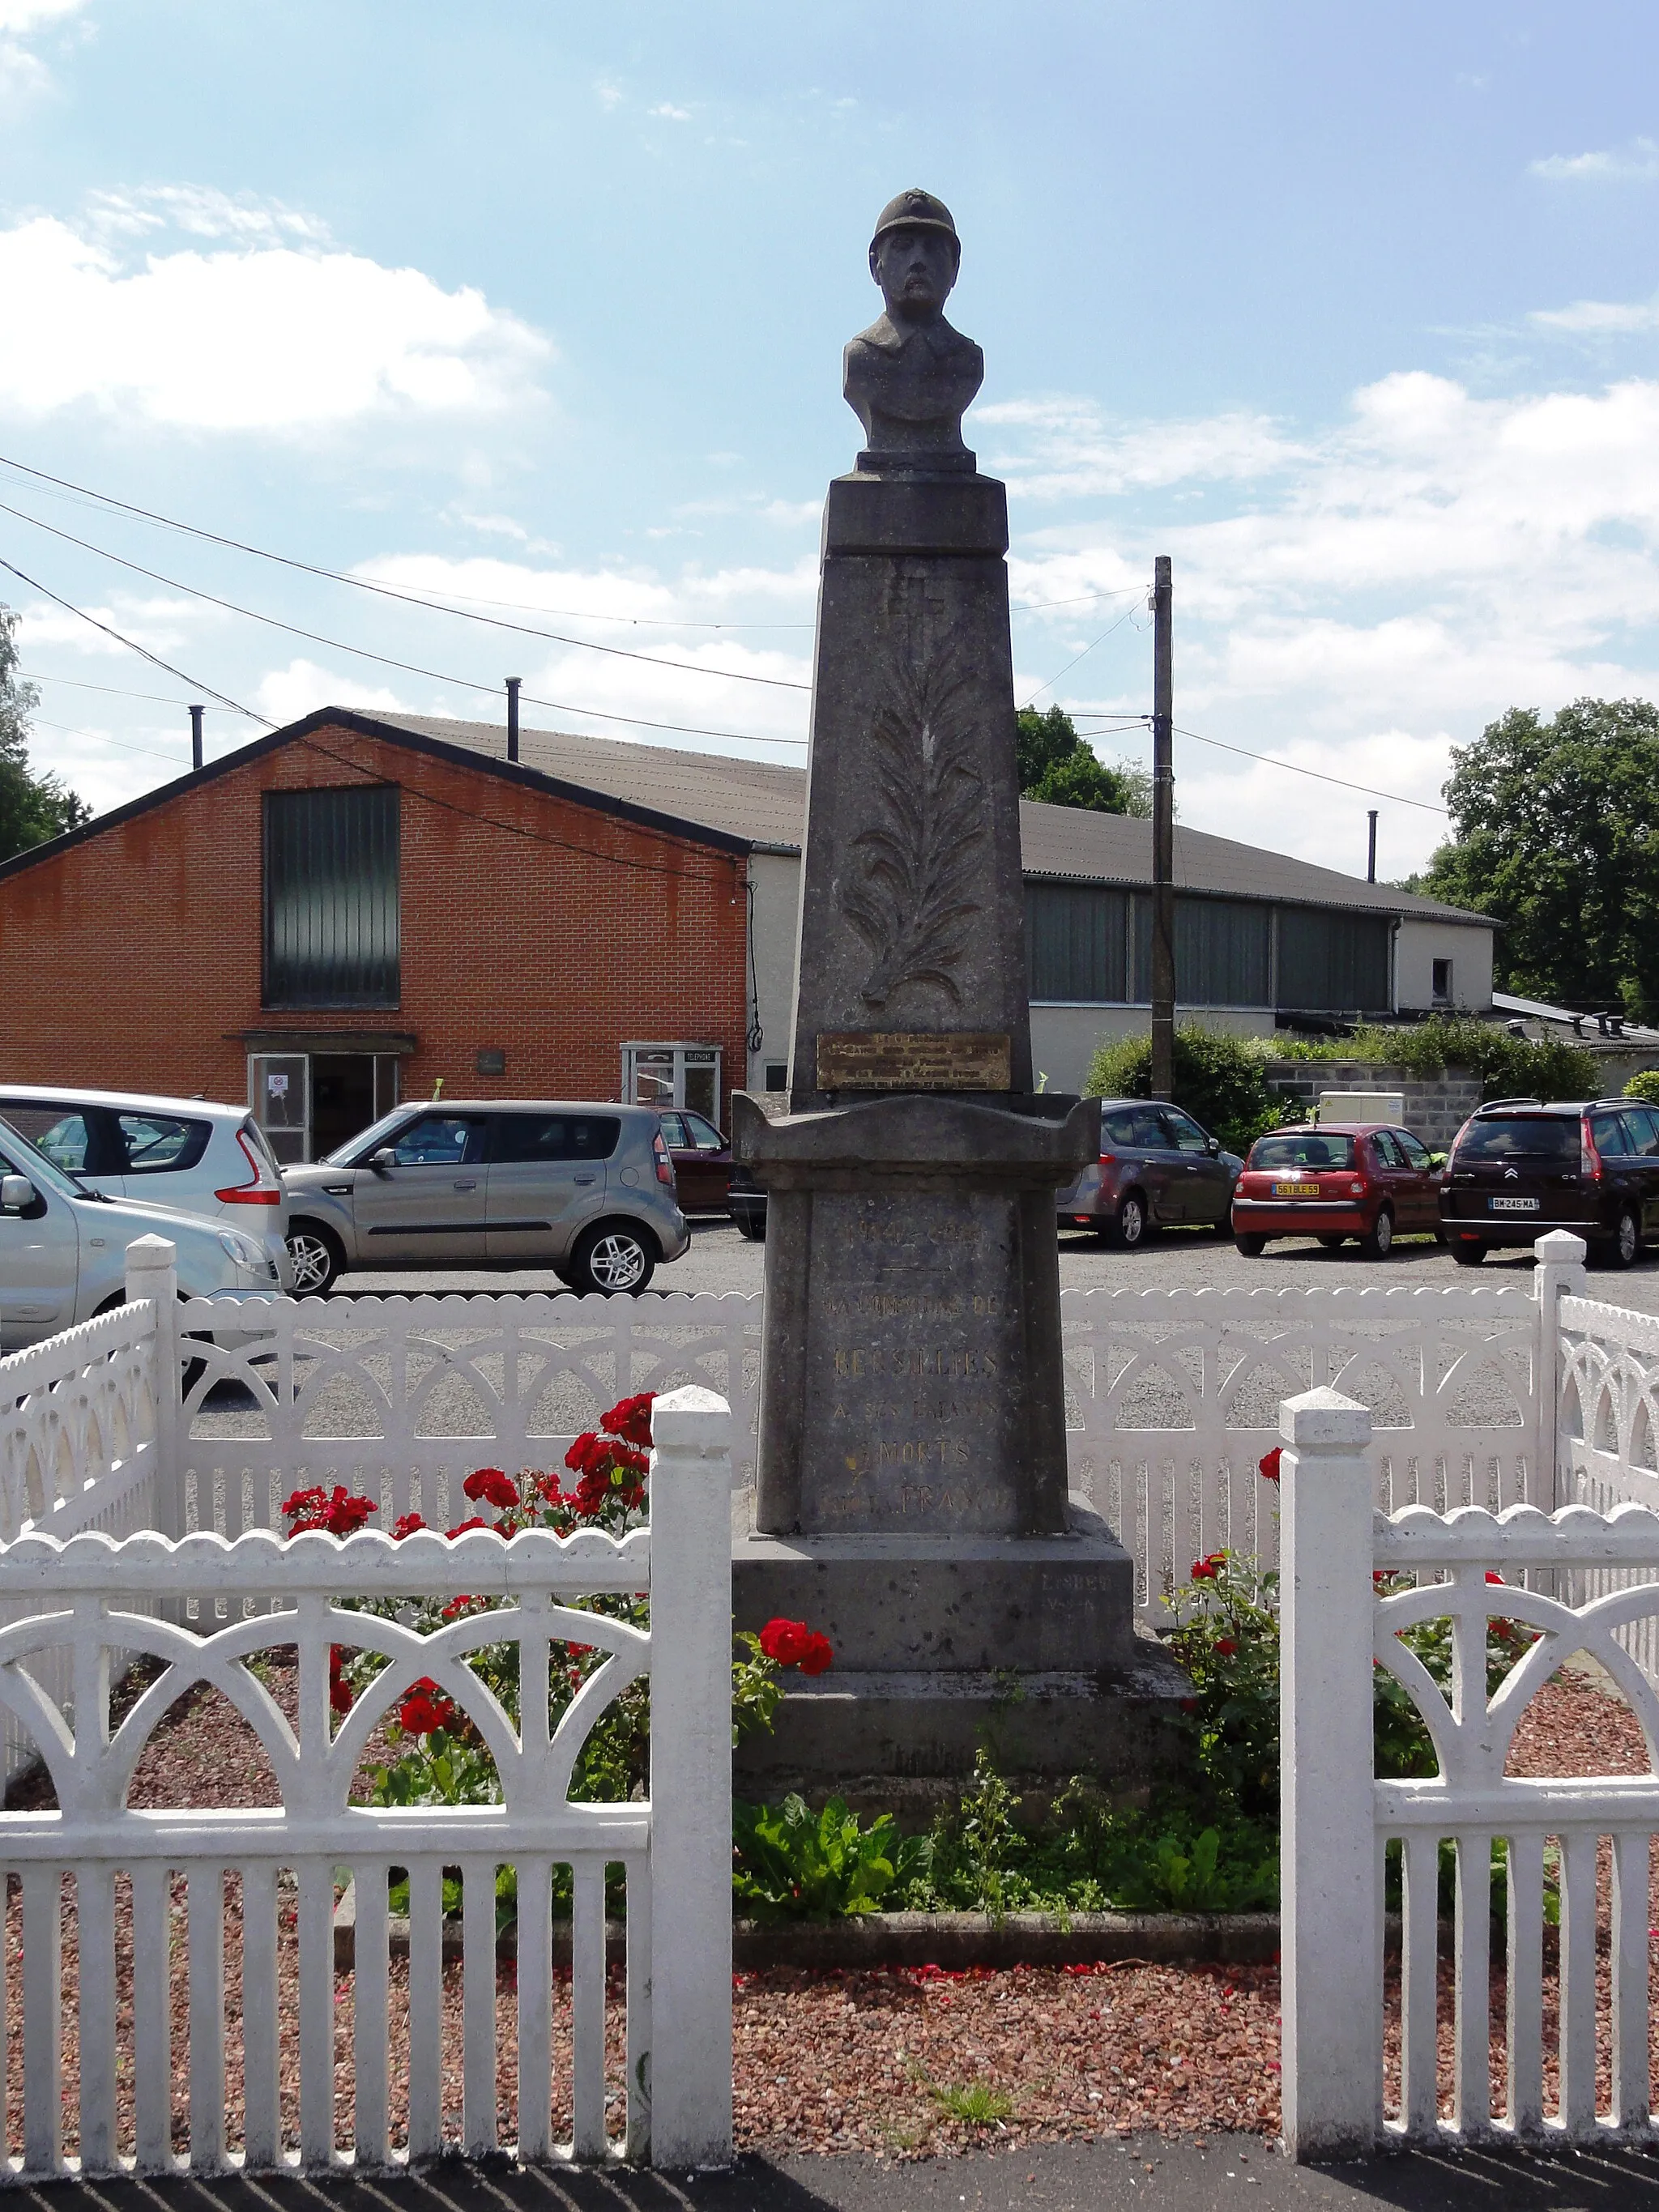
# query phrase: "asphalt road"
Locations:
[[720, 1259], [1110, 2176]]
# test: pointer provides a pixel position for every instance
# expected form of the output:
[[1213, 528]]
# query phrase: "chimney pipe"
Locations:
[[512, 683], [1371, 858], [196, 737]]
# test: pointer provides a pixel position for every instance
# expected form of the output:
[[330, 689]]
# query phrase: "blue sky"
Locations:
[[1353, 313]]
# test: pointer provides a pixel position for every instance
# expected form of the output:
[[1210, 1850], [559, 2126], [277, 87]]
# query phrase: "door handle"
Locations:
[[471, 1183], [586, 1178]]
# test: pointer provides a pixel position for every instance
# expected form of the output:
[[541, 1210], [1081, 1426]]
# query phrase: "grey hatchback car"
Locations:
[[1157, 1167], [586, 1191]]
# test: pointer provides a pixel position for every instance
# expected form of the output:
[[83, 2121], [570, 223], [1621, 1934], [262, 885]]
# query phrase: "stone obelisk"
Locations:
[[911, 1495]]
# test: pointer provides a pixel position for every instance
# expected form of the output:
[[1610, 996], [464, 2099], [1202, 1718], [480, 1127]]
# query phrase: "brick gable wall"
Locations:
[[553, 931]]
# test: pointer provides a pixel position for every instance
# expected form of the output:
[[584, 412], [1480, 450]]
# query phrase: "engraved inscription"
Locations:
[[903, 1059], [912, 1357]]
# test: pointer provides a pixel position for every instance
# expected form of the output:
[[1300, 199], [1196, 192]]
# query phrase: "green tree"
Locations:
[[32, 807], [1556, 829], [1056, 766]]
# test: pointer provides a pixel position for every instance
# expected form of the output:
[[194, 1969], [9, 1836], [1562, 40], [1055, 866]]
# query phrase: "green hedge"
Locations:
[[1645, 1086], [1221, 1080], [1509, 1066]]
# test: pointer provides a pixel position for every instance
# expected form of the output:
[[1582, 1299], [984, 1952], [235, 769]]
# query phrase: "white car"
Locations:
[[64, 1248], [203, 1157]]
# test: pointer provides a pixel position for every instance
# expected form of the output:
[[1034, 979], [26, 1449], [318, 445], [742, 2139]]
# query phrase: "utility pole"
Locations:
[[1164, 976]]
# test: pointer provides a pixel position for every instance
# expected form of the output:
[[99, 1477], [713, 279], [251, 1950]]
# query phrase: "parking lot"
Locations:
[[1181, 1259]]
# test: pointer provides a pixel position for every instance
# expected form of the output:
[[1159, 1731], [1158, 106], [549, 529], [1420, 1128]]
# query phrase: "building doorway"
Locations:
[[668, 1075], [309, 1103]]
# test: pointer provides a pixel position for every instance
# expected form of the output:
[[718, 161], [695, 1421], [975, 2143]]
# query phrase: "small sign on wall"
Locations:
[[277, 1084], [491, 1060]]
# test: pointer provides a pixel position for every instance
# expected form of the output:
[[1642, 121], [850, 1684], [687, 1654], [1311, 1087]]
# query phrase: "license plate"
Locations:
[[1515, 1205], [1296, 1190]]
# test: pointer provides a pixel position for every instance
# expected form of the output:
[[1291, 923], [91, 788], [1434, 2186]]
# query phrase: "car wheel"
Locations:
[[1379, 1241], [1333, 1243], [318, 1259], [615, 1259], [1132, 1228], [1251, 1247], [1467, 1251], [753, 1230], [1626, 1246]]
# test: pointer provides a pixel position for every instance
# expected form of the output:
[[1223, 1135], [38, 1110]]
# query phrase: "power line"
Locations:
[[132, 646], [408, 599], [98, 737], [1084, 655], [360, 652], [116, 691], [1370, 791]]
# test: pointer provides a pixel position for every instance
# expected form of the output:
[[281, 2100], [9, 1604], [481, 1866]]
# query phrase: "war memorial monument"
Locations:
[[911, 1496]]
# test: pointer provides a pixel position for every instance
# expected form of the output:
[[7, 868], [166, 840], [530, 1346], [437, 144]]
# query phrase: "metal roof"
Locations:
[[766, 803]]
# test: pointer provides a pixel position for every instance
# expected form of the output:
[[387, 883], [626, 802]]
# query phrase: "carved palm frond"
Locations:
[[913, 899]]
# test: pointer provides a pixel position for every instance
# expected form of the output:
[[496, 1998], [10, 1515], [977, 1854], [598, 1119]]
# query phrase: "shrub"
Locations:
[[1222, 1080], [1509, 1066], [1645, 1086]]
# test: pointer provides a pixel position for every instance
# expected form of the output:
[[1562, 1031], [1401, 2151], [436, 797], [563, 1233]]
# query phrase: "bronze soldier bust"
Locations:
[[909, 377]]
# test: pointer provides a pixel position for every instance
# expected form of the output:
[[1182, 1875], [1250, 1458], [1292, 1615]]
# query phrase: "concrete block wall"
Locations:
[[1437, 1106]]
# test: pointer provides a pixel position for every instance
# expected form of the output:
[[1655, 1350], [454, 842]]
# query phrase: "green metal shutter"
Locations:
[[331, 897]]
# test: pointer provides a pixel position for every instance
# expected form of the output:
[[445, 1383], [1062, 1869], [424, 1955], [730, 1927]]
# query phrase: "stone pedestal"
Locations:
[[911, 1497]]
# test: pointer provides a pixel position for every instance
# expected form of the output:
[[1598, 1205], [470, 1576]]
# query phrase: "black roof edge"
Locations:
[[369, 725]]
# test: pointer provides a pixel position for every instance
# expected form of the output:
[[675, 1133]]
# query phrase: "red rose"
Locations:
[[424, 1708], [1226, 1647], [1203, 1571], [495, 1487], [630, 1418], [1189, 1704], [461, 1526], [1492, 1575], [339, 1695], [582, 1454], [784, 1641], [407, 1525], [457, 1607], [338, 1513], [1267, 1465], [817, 1656]]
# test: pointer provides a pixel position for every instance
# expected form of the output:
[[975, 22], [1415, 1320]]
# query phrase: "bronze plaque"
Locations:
[[900, 1060]]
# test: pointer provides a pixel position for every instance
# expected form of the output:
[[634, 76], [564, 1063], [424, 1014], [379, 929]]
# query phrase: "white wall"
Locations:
[[1064, 1038], [776, 880], [1420, 944]]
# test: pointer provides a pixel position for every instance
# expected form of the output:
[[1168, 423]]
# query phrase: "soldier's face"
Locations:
[[915, 269]]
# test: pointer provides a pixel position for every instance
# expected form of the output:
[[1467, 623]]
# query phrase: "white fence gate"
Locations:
[[1594, 1833], [250, 1874]]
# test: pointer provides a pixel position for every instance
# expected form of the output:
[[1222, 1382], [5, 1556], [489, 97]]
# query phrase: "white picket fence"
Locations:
[[245, 1877]]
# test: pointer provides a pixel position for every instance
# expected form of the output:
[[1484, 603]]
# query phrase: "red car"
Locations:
[[1364, 1179], [703, 1160]]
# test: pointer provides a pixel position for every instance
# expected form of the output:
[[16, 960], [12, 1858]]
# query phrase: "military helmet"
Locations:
[[915, 210]]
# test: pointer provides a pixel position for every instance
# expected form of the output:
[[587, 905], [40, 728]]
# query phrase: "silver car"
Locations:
[[584, 1190], [201, 1157], [64, 1248]]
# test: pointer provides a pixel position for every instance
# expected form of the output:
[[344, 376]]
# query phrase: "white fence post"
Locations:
[[1330, 2050], [1559, 1275], [690, 2065], [152, 1274]]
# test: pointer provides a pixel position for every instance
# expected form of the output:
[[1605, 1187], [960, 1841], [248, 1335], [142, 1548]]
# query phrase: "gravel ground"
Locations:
[[1182, 1259], [896, 2065]]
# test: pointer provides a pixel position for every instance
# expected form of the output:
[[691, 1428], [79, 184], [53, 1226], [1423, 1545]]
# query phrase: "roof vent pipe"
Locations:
[[512, 683], [196, 737], [1371, 858]]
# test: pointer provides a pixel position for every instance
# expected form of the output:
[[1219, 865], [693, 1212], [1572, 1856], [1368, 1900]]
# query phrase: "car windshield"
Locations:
[[28, 1159], [1513, 1136], [1309, 1148], [357, 1148]]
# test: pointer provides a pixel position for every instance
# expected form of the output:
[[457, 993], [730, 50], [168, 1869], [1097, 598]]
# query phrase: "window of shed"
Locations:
[[332, 914]]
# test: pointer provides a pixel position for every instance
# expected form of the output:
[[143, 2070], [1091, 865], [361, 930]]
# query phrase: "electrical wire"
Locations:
[[362, 653], [1370, 791], [98, 737], [408, 599], [132, 646], [118, 691], [1084, 655]]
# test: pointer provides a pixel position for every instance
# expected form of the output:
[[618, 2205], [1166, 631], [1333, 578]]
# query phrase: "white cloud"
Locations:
[[23, 75], [287, 694], [669, 113], [274, 331], [20, 17], [1073, 448], [1600, 318], [1637, 162]]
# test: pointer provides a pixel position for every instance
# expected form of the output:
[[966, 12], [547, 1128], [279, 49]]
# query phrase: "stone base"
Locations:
[[906, 1603], [905, 1742]]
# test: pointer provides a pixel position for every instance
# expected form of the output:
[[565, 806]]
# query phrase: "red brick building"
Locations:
[[350, 909]]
